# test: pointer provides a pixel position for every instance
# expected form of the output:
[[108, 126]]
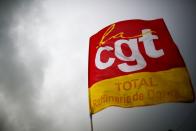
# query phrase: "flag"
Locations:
[[136, 63]]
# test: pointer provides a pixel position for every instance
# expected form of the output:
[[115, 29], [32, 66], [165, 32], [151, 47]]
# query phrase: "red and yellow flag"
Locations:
[[136, 63]]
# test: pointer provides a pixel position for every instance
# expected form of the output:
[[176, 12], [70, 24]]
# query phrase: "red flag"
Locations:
[[136, 63]]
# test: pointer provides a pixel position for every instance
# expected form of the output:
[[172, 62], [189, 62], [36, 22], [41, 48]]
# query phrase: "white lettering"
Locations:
[[149, 46], [135, 56], [101, 65]]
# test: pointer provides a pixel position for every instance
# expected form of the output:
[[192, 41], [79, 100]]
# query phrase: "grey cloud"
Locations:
[[19, 83]]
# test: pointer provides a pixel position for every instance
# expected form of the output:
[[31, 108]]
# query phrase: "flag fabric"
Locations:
[[136, 63]]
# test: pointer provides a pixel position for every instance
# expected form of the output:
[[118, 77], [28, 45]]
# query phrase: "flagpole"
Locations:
[[91, 120], [91, 115]]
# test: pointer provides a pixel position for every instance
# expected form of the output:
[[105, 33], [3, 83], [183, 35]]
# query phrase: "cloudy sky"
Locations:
[[44, 64]]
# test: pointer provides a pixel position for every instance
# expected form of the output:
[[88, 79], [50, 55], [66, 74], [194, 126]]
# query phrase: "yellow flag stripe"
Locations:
[[139, 89]]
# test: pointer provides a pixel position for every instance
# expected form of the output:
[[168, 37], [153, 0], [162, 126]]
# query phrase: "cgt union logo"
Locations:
[[146, 38]]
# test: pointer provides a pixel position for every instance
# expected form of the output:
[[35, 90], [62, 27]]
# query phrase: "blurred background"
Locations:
[[44, 64]]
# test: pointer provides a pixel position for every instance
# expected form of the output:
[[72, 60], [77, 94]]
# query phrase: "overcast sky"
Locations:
[[44, 64]]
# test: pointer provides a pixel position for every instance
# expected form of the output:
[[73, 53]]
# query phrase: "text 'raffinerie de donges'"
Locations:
[[135, 97]]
